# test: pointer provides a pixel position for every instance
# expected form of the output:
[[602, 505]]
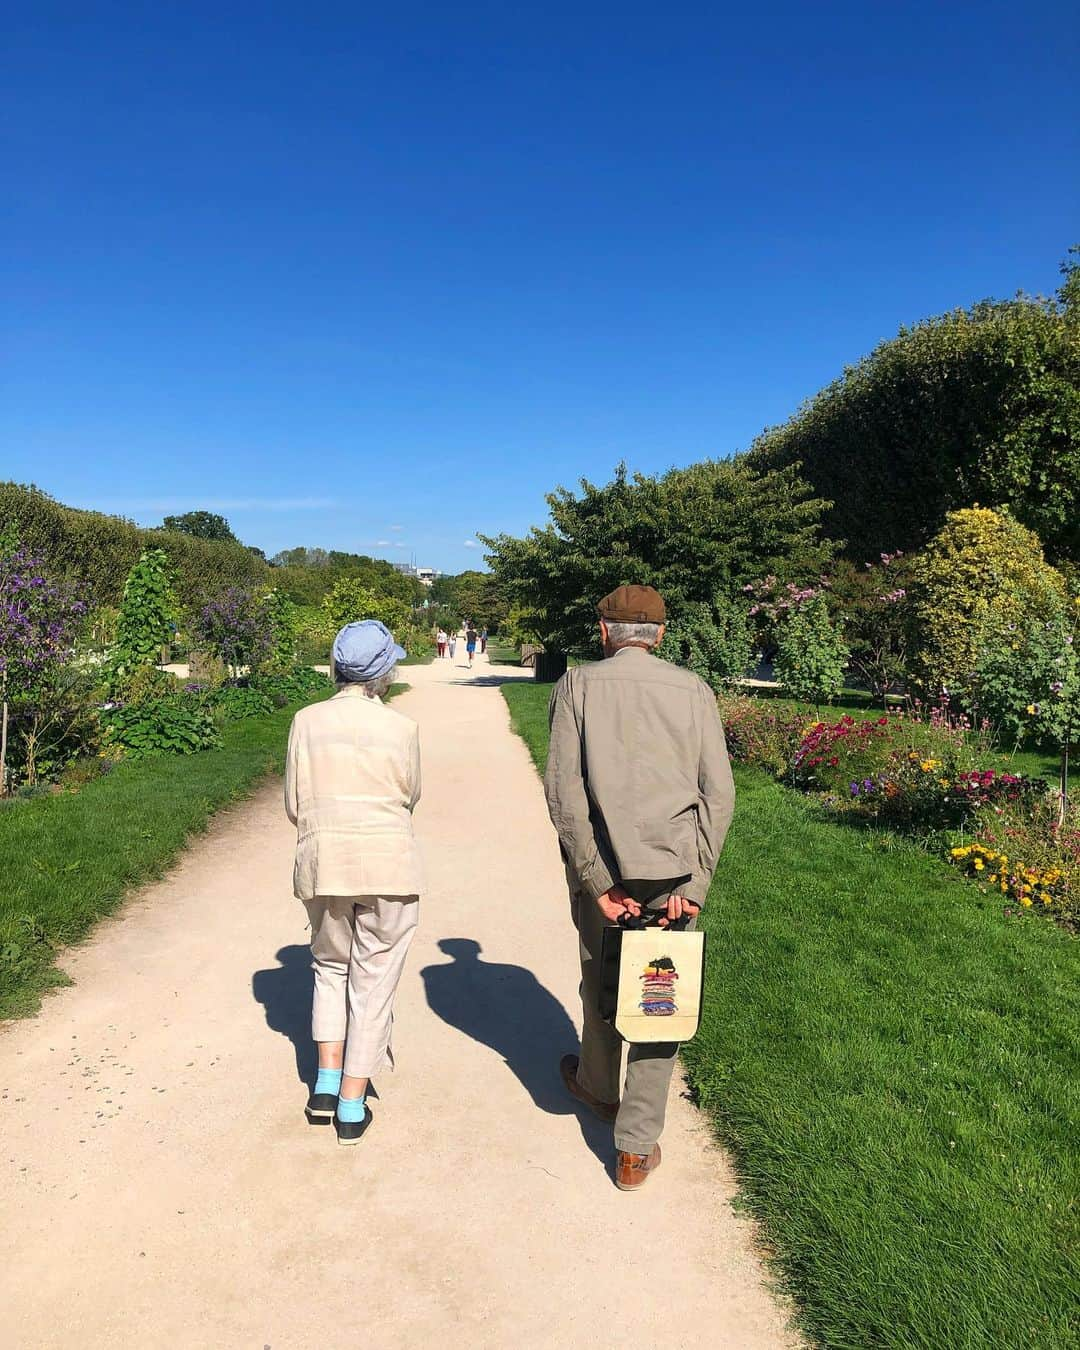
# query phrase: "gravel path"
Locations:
[[160, 1186]]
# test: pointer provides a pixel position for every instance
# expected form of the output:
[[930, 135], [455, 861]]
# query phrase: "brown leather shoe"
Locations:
[[568, 1067], [632, 1169]]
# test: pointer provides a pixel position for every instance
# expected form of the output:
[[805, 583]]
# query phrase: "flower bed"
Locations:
[[923, 773]]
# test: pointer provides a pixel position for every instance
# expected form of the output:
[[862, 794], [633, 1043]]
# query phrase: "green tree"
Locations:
[[715, 641], [978, 405], [981, 572], [201, 525], [811, 654], [692, 533], [350, 601], [1028, 683], [147, 616]]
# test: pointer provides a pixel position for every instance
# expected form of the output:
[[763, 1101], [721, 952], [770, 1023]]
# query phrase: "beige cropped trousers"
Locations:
[[358, 948]]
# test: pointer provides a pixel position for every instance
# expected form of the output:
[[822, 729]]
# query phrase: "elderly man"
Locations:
[[639, 789]]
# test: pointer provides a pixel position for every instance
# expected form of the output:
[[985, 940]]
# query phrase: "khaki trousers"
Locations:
[[643, 1105], [358, 948]]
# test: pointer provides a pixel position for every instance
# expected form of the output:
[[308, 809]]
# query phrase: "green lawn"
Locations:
[[66, 860], [894, 1067]]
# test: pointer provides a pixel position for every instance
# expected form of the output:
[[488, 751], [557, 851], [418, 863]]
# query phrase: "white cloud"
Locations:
[[397, 528], [382, 543], [399, 544], [471, 543]]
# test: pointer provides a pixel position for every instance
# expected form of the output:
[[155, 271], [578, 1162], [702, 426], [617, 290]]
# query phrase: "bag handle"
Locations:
[[636, 922]]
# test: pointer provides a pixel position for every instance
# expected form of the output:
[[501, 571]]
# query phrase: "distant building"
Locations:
[[425, 575]]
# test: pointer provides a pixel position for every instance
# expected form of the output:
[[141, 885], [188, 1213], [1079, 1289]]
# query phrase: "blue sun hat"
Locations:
[[363, 651]]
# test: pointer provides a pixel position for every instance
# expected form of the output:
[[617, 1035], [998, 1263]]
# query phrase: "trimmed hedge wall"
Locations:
[[98, 551]]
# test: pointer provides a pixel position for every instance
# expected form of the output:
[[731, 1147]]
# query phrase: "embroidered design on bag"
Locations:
[[658, 988]]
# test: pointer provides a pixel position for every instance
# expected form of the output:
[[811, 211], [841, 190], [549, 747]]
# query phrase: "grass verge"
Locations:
[[68, 859], [894, 1068]]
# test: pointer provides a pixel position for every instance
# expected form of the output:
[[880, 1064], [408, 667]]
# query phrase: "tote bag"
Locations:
[[651, 982]]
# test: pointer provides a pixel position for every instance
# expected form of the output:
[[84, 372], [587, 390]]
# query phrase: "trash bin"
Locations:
[[549, 667]]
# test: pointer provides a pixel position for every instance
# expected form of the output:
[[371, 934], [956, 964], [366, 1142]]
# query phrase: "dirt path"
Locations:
[[159, 1185]]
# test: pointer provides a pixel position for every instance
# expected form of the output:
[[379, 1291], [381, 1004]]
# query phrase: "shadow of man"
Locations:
[[285, 994], [507, 1008]]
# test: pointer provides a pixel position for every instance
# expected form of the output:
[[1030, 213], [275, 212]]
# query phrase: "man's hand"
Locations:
[[677, 906], [615, 903]]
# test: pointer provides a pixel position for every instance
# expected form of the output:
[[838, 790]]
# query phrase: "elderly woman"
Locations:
[[352, 780]]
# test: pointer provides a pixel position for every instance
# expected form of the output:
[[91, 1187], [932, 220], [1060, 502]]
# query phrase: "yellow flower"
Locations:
[[1026, 901], [980, 866], [1005, 889], [1031, 709], [1046, 899]]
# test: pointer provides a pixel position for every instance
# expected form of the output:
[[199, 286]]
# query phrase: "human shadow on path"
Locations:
[[285, 994], [507, 1008]]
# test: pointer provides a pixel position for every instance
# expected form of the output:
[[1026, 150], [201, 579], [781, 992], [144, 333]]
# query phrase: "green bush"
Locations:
[[811, 654], [980, 573], [976, 405], [234, 702], [713, 640], [300, 685], [177, 725], [147, 613], [99, 550], [351, 601]]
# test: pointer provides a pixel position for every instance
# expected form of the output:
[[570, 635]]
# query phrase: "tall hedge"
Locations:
[[980, 405], [99, 550]]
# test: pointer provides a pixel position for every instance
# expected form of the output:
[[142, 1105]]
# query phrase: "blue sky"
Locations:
[[379, 277]]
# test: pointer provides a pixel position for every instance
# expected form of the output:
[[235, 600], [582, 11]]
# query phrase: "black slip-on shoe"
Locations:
[[352, 1131], [321, 1108]]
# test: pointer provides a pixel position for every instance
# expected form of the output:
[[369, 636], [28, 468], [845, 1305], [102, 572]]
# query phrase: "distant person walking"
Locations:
[[453, 644], [483, 640], [639, 789], [352, 779], [441, 640], [470, 643]]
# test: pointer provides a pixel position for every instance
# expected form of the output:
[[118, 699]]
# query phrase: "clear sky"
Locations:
[[377, 277]]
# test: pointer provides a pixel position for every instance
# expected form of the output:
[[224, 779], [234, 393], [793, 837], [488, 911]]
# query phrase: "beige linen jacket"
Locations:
[[638, 780], [352, 778]]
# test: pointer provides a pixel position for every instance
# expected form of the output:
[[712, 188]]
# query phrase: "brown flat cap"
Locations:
[[633, 604]]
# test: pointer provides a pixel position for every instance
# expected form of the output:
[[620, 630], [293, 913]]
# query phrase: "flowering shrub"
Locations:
[[761, 732], [832, 755], [39, 622], [238, 627]]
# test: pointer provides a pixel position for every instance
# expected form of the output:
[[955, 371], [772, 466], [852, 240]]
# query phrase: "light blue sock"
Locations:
[[350, 1110], [329, 1080]]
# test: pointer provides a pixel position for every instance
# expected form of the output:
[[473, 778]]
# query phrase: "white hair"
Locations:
[[376, 688], [623, 634]]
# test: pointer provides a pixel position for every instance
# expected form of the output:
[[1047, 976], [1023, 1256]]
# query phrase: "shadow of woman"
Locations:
[[507, 1008], [285, 994]]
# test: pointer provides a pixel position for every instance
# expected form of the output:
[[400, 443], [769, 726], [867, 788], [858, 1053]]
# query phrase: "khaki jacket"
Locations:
[[352, 778], [638, 781]]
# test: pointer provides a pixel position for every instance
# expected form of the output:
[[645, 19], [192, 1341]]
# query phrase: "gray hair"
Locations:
[[623, 634], [376, 688]]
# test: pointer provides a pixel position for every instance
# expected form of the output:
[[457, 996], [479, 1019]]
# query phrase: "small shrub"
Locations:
[[301, 685], [177, 725], [145, 621], [234, 702], [811, 654]]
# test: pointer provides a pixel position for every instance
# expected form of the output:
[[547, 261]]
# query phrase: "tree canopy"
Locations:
[[978, 405], [692, 533], [201, 525]]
